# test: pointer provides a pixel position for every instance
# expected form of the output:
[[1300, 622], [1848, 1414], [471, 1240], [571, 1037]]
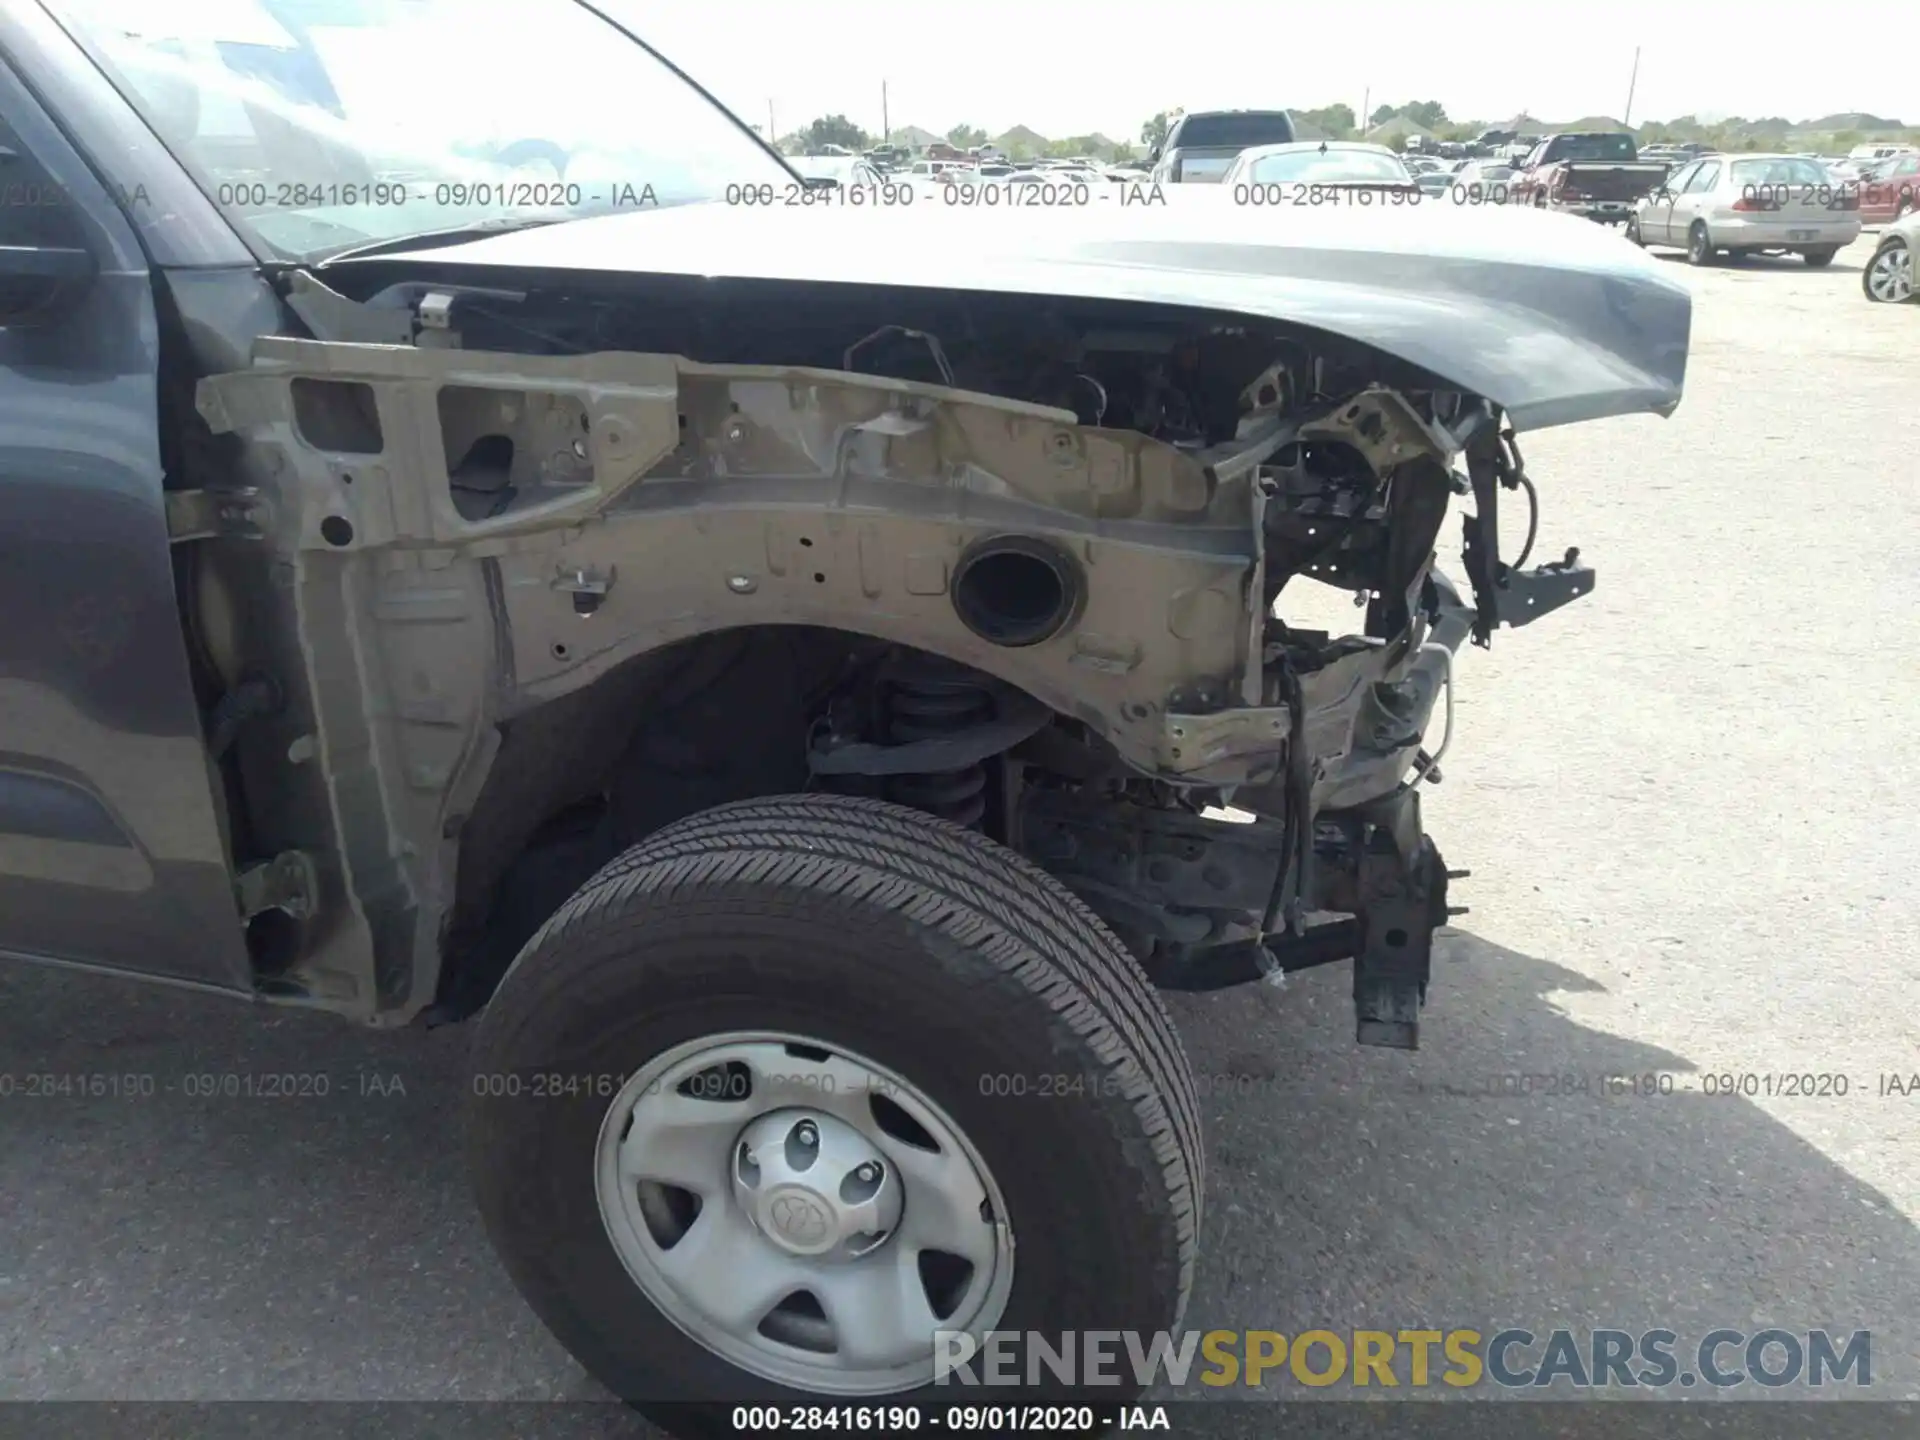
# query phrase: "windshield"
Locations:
[[318, 125], [1329, 167], [1205, 132], [1594, 147], [1779, 172]]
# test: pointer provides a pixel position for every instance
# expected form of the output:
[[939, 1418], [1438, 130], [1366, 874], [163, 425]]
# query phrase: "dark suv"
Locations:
[[1201, 146]]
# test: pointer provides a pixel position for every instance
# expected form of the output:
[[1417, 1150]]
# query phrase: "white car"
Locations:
[[1888, 276], [843, 169], [1320, 164], [1482, 182], [1749, 205]]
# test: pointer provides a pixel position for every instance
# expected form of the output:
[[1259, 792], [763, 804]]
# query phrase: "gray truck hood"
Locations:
[[1550, 316]]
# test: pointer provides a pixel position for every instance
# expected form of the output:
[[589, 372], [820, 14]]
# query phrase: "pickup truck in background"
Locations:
[[1201, 146], [1593, 173]]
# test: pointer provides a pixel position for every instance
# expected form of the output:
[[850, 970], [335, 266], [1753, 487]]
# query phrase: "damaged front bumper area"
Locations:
[[1327, 861]]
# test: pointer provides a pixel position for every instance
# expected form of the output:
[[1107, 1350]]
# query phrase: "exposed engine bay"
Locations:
[[1094, 717]]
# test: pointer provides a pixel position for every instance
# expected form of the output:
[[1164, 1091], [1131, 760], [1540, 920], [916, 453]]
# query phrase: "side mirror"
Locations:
[[38, 281], [1153, 156]]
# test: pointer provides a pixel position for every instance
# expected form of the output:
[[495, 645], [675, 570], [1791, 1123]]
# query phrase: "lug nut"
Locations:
[[869, 1171]]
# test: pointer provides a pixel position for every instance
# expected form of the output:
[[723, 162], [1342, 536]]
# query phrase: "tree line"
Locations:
[[1339, 122]]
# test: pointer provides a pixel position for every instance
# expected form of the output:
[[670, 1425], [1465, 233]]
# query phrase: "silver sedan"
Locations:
[[1749, 205]]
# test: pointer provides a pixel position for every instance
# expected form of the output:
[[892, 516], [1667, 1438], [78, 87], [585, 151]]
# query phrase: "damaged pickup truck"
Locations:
[[801, 675]]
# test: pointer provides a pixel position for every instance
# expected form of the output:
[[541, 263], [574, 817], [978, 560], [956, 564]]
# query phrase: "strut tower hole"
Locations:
[[1016, 591]]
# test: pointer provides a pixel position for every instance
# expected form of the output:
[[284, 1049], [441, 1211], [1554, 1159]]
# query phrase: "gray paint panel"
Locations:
[[39, 807], [1553, 317]]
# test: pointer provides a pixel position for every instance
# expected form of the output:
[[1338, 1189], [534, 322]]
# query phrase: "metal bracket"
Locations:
[[290, 883], [588, 586], [1383, 427], [1193, 742], [332, 316], [206, 514], [1522, 596], [1503, 595]]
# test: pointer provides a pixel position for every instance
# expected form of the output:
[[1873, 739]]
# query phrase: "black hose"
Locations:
[[1290, 885], [1514, 475], [1533, 522]]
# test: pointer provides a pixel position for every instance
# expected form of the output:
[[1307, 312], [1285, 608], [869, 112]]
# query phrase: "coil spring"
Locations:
[[927, 700]]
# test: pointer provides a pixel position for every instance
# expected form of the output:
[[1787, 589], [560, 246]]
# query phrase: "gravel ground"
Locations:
[[1680, 801]]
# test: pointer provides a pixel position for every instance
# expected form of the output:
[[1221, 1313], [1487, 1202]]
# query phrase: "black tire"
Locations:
[[1699, 244], [1867, 271], [928, 948], [1823, 256], [1631, 228]]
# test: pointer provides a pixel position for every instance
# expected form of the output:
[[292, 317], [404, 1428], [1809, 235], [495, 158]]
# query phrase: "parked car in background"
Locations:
[[1878, 152], [1890, 190], [1749, 205], [837, 168], [1261, 174], [1482, 182], [1598, 174], [1201, 146], [1888, 275]]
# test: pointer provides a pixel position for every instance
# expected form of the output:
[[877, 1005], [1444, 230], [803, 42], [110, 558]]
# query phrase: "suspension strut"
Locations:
[[923, 698]]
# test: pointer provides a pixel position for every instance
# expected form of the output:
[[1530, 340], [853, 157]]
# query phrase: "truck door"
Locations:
[[111, 851]]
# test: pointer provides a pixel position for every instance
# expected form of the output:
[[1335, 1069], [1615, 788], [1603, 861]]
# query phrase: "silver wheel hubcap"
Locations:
[[1891, 275], [804, 1213]]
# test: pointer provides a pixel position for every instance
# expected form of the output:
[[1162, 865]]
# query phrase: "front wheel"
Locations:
[[1699, 245], [762, 1111], [1888, 278], [1822, 256], [1632, 231]]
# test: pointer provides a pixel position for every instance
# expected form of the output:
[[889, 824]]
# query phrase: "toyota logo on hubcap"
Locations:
[[799, 1219]]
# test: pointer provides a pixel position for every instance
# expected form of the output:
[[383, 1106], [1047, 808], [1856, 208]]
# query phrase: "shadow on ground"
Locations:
[[195, 1244]]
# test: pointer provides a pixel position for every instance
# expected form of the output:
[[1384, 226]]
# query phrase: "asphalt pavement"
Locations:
[[1687, 803]]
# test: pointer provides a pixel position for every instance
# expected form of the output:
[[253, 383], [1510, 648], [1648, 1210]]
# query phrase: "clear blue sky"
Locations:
[[1070, 66]]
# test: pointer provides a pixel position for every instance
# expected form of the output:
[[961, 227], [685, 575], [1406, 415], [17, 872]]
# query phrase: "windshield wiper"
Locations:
[[433, 239]]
